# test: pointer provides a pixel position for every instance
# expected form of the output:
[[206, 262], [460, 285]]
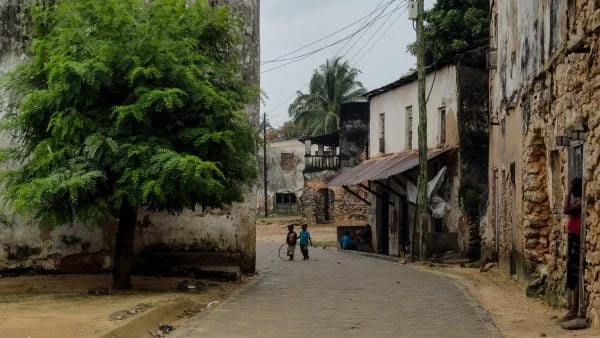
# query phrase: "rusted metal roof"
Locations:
[[382, 168]]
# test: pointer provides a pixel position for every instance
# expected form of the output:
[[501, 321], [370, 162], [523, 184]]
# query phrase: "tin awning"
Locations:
[[382, 168]]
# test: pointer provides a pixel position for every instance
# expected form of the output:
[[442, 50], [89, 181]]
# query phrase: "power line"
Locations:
[[277, 59], [379, 38], [366, 20], [362, 27], [305, 55], [365, 32]]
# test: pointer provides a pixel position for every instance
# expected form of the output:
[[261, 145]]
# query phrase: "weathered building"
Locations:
[[544, 84], [228, 235], [325, 157], [457, 138], [285, 164]]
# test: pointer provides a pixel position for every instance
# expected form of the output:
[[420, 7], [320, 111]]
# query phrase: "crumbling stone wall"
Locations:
[[561, 88], [344, 207]]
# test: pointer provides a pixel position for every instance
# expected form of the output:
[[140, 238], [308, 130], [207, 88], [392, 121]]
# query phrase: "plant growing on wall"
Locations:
[[124, 106], [318, 111], [453, 24]]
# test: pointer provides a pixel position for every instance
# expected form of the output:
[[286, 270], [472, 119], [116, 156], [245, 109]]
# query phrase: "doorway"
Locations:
[[383, 209], [576, 170]]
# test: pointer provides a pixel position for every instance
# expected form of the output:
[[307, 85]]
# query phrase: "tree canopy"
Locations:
[[127, 105], [318, 111], [453, 24]]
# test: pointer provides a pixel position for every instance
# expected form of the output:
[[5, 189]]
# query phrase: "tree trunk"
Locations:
[[124, 248]]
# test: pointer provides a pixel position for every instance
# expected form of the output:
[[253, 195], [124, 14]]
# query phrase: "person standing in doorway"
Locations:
[[572, 207]]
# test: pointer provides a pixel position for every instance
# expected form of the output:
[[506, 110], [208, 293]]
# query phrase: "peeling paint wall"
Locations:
[[545, 79], [25, 245], [281, 180]]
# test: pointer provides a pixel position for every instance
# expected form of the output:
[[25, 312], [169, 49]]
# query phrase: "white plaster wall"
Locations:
[[394, 102], [224, 230], [278, 180]]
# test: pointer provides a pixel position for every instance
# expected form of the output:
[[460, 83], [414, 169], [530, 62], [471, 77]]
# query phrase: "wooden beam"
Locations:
[[399, 182], [370, 190], [388, 188], [357, 195]]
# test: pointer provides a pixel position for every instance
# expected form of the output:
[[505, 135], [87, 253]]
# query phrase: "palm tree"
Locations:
[[318, 111]]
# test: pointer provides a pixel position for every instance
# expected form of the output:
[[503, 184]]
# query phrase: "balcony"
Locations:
[[314, 163]]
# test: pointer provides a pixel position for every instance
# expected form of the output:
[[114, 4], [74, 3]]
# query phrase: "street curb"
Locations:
[[482, 314], [178, 332], [372, 255], [139, 326]]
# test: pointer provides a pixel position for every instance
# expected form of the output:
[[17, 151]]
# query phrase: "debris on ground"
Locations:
[[487, 267], [123, 314], [194, 286], [473, 265], [574, 324], [99, 291], [193, 311], [163, 330], [537, 288]]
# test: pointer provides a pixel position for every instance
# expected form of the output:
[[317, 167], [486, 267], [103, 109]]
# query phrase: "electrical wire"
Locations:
[[277, 59], [375, 33], [305, 55], [379, 38]]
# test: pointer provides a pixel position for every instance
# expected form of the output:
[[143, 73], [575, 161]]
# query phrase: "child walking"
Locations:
[[291, 239], [304, 240]]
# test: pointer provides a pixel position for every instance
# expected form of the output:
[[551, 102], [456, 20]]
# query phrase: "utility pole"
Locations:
[[265, 162], [422, 198]]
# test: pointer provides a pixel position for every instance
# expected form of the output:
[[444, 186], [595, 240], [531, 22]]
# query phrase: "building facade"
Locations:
[[285, 164], [545, 126], [457, 139], [229, 233], [326, 156]]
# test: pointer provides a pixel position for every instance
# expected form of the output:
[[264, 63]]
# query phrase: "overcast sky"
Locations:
[[287, 25]]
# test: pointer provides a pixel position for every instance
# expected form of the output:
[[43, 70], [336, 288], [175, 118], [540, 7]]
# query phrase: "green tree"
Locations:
[[124, 106], [318, 111], [453, 24]]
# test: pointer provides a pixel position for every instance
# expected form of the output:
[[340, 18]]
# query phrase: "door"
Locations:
[[385, 223]]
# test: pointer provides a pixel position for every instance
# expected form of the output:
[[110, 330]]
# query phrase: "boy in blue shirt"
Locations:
[[346, 242], [304, 240]]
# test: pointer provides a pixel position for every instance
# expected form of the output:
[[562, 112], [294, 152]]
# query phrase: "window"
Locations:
[[285, 203], [442, 113], [409, 129], [382, 133], [287, 161]]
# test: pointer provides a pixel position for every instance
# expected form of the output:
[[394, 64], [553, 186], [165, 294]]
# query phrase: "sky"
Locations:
[[286, 25]]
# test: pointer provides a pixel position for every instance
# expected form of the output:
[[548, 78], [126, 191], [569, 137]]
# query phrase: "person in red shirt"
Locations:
[[572, 207]]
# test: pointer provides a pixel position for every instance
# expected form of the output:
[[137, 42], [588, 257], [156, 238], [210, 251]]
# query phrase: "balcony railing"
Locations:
[[321, 162]]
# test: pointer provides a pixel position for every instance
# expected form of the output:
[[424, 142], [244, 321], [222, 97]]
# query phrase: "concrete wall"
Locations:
[[280, 180], [26, 245], [394, 102], [546, 78]]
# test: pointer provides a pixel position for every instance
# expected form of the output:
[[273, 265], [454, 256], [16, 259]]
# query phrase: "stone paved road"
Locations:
[[337, 294]]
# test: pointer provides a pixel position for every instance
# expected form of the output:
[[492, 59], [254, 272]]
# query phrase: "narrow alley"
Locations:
[[337, 294]]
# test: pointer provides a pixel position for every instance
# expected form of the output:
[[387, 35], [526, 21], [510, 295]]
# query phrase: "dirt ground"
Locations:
[[513, 313], [275, 229], [59, 305]]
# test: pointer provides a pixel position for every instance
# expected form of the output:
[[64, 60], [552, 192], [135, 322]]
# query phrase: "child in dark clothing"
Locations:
[[291, 239]]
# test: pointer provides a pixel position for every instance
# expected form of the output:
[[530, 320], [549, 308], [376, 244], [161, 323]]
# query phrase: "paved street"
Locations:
[[340, 295]]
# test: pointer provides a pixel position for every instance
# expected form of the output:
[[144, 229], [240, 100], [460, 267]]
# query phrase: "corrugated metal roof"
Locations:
[[382, 168]]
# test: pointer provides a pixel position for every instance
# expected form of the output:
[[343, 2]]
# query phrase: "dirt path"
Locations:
[[59, 306], [275, 230], [513, 313]]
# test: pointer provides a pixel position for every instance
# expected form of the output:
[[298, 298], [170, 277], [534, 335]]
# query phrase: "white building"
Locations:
[[457, 124]]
